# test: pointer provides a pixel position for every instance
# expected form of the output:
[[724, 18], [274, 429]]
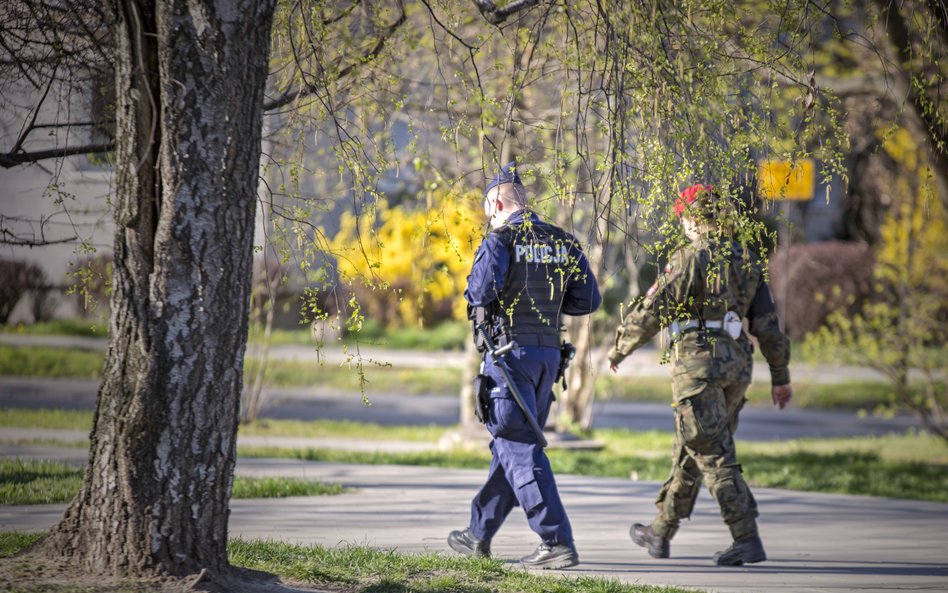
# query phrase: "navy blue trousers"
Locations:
[[520, 473]]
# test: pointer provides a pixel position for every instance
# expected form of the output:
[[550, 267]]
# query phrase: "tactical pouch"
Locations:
[[484, 317], [478, 317], [482, 387]]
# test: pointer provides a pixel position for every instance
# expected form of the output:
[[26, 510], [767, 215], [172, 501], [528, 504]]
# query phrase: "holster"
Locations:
[[482, 388], [567, 353]]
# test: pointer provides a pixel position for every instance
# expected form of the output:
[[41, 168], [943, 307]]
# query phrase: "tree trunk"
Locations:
[[189, 79], [576, 407]]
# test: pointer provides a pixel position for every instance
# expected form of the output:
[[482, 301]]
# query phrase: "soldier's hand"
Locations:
[[614, 368], [781, 395]]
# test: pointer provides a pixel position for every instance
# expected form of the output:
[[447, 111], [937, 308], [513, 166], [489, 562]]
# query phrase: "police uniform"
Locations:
[[707, 289], [529, 273]]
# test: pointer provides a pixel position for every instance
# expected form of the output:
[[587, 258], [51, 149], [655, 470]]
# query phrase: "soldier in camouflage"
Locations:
[[709, 287]]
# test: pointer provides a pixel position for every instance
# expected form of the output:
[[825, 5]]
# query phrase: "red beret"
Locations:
[[689, 195]]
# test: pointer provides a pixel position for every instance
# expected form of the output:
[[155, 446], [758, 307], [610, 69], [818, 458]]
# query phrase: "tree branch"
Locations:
[[940, 13], [310, 89], [900, 36], [9, 238], [12, 159], [496, 16]]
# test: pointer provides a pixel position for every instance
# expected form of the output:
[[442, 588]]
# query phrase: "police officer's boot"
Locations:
[[658, 546], [746, 550], [463, 542], [552, 556]]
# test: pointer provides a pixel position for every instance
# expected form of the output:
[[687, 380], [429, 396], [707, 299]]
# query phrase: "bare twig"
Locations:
[[495, 16]]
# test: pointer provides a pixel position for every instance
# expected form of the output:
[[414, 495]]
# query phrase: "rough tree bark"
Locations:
[[190, 79]]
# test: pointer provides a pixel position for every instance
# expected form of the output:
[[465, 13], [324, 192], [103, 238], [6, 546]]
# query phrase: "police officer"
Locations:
[[527, 273], [707, 290]]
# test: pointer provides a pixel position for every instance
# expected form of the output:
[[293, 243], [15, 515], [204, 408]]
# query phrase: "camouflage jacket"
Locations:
[[703, 281]]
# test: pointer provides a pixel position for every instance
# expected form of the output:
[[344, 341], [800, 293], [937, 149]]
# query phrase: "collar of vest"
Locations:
[[519, 216]]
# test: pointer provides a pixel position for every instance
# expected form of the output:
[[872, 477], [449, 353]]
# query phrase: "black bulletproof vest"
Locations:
[[542, 260]]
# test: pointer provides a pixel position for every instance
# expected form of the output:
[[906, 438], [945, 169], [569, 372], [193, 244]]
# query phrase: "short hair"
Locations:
[[512, 194]]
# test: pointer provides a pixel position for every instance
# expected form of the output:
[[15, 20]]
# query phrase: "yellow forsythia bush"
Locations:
[[915, 234], [408, 265]]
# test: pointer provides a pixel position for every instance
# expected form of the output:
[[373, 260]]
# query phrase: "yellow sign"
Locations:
[[785, 180]]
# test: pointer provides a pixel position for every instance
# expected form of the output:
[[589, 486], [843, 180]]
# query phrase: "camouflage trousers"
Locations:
[[704, 451]]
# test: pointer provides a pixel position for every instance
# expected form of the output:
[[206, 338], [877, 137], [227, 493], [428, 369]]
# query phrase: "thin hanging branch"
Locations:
[[310, 89]]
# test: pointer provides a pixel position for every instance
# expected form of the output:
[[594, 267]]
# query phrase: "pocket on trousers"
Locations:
[[528, 491], [504, 419], [700, 419]]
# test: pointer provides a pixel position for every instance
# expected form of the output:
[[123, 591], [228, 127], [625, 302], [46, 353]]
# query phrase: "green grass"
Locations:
[[283, 487], [360, 568], [373, 379], [910, 466], [448, 335], [376, 381], [13, 542], [37, 482], [43, 361], [357, 568], [48, 482], [341, 429], [93, 328], [82, 420], [903, 466], [445, 336], [846, 395], [44, 418]]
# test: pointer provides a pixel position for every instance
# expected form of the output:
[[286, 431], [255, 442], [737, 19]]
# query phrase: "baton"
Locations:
[[496, 355]]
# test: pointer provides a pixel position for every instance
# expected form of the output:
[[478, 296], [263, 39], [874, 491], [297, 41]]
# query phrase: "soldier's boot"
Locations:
[[463, 542], [657, 546], [746, 550], [552, 556]]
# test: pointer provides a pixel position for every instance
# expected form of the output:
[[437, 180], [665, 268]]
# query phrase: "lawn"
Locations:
[[376, 380], [361, 568], [901, 466], [46, 482], [910, 466]]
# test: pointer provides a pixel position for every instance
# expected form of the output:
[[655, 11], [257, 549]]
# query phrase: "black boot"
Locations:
[[555, 556], [746, 550], [642, 535], [465, 543]]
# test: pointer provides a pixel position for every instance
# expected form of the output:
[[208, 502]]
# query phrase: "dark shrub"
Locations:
[[14, 282], [43, 296], [812, 280]]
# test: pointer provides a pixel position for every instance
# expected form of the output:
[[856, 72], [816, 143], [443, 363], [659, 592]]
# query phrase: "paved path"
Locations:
[[815, 542], [758, 423]]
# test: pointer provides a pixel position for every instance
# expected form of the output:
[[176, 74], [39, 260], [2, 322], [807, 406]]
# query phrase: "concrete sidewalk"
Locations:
[[815, 542]]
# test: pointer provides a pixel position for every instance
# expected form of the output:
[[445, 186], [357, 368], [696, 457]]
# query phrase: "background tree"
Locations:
[[901, 331]]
